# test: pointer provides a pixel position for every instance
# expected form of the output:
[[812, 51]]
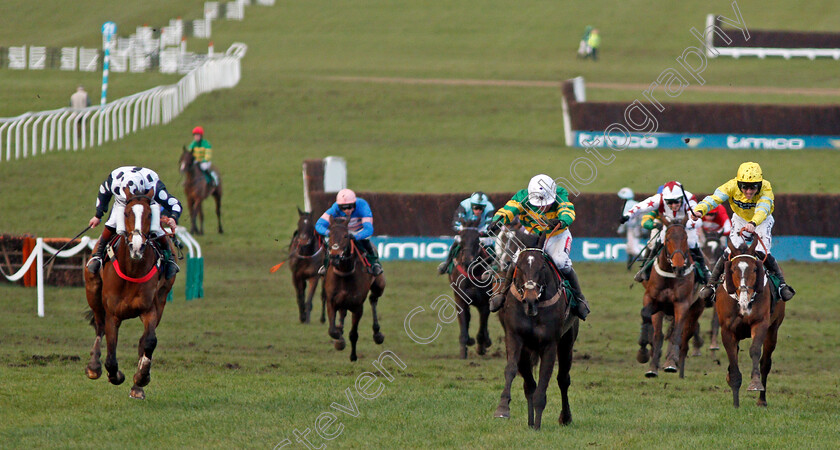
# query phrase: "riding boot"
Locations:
[[785, 291], [582, 309], [498, 300], [375, 268], [697, 254], [708, 291], [170, 267], [444, 266], [95, 262], [644, 272]]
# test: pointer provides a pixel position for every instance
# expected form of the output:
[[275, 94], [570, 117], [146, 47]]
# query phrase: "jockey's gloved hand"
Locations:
[[624, 219], [352, 236], [552, 223], [494, 226]]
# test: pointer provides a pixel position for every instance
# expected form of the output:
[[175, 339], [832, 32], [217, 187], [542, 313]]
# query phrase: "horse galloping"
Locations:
[[538, 329], [745, 309], [470, 264], [669, 291], [346, 284], [306, 255], [197, 188], [128, 286]]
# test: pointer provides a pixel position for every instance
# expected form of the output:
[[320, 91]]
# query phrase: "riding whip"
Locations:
[[65, 246]]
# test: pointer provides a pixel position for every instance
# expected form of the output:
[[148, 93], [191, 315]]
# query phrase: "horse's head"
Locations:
[[187, 160], [468, 239], [531, 276], [138, 219], [676, 243], [744, 273], [305, 233], [340, 240]]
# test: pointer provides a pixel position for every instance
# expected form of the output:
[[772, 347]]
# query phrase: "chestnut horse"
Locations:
[[669, 291], [197, 189], [129, 285], [745, 309], [538, 329], [346, 284], [306, 255], [471, 261]]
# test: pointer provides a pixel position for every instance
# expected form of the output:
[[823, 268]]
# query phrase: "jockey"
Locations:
[[138, 181], [717, 221], [360, 225], [476, 207], [674, 203], [631, 229], [751, 199], [543, 208], [203, 152]]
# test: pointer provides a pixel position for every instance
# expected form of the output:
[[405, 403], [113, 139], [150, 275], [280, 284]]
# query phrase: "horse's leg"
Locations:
[[513, 346], [690, 330], [323, 304], [378, 337], [564, 357], [483, 336], [759, 335], [697, 340], [112, 329], [200, 209], [646, 332], [733, 376], [313, 285], [656, 345], [300, 293], [767, 361], [148, 342], [333, 330], [529, 384], [714, 331], [675, 341], [354, 330], [464, 324], [217, 194], [94, 367], [547, 359], [193, 218]]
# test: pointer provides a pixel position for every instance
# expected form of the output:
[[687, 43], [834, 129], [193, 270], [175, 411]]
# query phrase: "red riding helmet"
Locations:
[[198, 130]]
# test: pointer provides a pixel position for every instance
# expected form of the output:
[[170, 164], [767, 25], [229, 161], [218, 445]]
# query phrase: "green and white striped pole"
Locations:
[[108, 31]]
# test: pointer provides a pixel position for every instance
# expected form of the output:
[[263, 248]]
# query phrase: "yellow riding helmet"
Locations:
[[749, 172]]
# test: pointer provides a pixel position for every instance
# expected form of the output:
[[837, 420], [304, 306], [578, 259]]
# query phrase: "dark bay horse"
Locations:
[[669, 291], [306, 255], [538, 329], [745, 309], [346, 284], [197, 189], [471, 261], [128, 286], [712, 250]]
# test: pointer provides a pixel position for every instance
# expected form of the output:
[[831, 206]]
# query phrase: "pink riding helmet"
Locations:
[[345, 197]]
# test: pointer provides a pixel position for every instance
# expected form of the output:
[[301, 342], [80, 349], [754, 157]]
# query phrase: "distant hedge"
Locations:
[[778, 39], [717, 118]]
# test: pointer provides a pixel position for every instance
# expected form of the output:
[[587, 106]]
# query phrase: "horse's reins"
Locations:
[[531, 285], [669, 257]]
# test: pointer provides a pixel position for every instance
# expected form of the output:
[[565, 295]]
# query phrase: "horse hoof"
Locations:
[[762, 403], [671, 369], [642, 356], [137, 392], [335, 334], [470, 342], [339, 344], [117, 380], [714, 347], [463, 352], [353, 357], [93, 374], [651, 374], [323, 320], [502, 413], [481, 350], [565, 420], [696, 352], [378, 338], [755, 385], [302, 318]]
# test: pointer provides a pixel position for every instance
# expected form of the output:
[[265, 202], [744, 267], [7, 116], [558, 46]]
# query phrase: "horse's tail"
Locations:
[[90, 318]]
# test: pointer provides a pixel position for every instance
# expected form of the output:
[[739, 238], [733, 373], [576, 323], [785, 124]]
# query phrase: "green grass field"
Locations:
[[235, 369]]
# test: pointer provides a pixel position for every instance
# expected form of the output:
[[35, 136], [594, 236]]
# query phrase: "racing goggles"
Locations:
[[743, 185], [347, 207]]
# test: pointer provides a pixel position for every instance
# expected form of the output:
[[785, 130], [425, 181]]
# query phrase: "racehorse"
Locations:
[[669, 291], [197, 189], [745, 309], [346, 284], [306, 255], [538, 329], [470, 263], [129, 285]]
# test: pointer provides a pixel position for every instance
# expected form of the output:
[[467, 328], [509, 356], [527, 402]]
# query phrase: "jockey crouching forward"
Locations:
[[137, 181], [543, 208], [478, 209], [675, 204], [360, 226], [752, 201]]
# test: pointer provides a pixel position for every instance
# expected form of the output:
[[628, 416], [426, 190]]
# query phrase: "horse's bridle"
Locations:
[[737, 291], [531, 285], [670, 256], [481, 252]]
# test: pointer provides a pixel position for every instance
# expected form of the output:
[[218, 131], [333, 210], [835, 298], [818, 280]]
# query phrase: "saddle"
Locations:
[[567, 287]]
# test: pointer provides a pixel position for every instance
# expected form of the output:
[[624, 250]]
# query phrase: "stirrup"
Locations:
[[496, 302], [170, 269], [375, 269], [582, 309], [94, 264], [442, 267], [786, 292], [322, 270]]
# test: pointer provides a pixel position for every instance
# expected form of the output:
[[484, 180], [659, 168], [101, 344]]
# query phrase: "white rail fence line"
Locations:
[[67, 128], [37, 257], [761, 52]]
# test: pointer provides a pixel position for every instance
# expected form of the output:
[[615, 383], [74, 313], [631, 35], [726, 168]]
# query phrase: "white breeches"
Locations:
[[764, 231], [690, 232], [633, 245], [558, 248], [117, 219]]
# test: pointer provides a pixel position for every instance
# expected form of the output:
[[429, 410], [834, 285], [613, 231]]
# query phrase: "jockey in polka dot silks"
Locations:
[[360, 226], [675, 203], [475, 208], [137, 181], [543, 208], [752, 201]]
